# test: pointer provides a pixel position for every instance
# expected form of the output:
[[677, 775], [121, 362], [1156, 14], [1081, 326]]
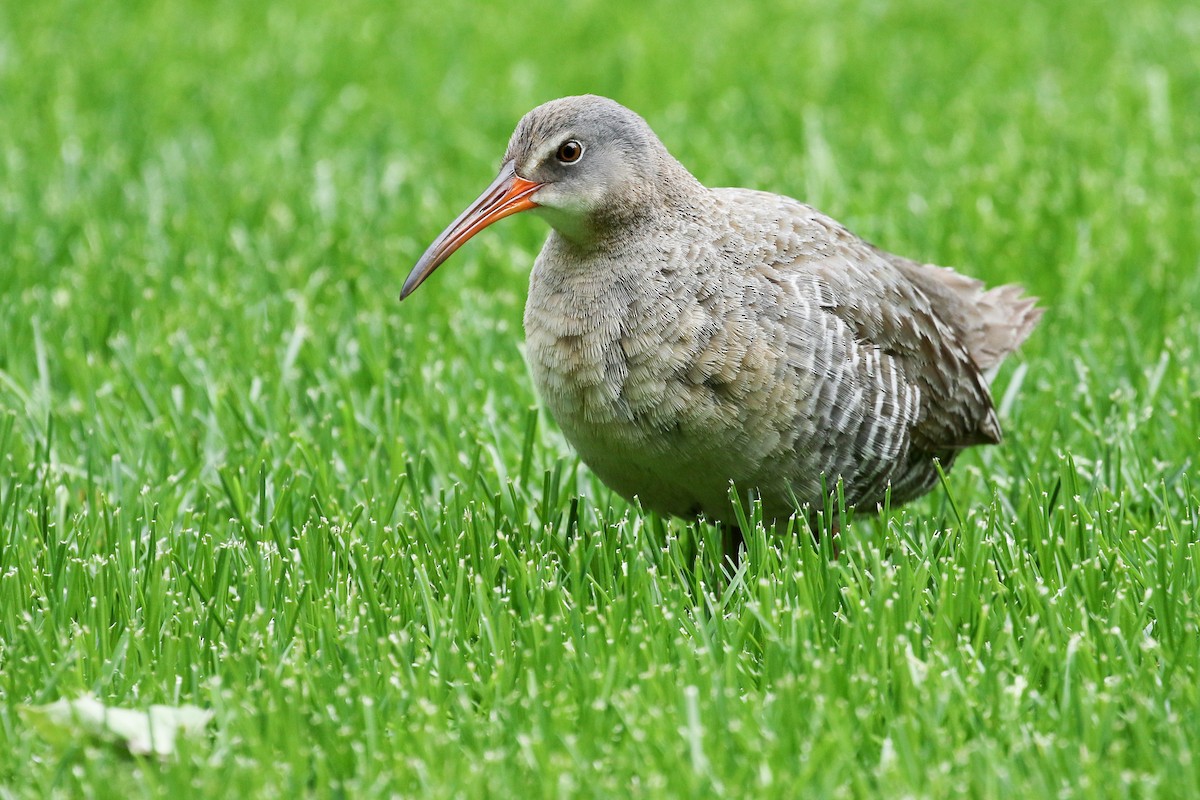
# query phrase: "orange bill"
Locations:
[[507, 195]]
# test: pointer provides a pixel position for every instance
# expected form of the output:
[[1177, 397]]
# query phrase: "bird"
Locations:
[[687, 340]]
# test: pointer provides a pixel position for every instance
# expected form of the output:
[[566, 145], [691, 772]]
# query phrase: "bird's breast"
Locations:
[[598, 355], [661, 378]]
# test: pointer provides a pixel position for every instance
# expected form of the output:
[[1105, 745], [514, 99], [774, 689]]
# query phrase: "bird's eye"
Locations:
[[570, 151]]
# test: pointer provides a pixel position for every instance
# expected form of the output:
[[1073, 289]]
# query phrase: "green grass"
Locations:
[[236, 472]]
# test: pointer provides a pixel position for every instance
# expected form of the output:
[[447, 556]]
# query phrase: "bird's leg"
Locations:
[[733, 542], [733, 538], [821, 531], [835, 533]]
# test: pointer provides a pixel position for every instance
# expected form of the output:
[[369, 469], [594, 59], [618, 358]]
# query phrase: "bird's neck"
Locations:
[[655, 204], [594, 262]]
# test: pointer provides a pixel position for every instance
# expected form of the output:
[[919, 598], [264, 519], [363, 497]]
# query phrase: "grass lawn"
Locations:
[[235, 472]]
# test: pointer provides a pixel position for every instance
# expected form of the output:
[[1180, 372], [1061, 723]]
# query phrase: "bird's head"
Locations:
[[585, 164]]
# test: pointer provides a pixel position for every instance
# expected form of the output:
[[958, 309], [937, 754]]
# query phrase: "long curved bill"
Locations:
[[507, 195]]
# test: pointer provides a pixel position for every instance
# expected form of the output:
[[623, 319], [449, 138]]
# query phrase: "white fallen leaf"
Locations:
[[140, 732]]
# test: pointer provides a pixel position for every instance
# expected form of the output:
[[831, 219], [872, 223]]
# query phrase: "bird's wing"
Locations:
[[894, 325], [896, 319]]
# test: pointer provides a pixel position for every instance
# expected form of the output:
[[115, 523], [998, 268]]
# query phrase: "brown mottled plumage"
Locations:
[[686, 337]]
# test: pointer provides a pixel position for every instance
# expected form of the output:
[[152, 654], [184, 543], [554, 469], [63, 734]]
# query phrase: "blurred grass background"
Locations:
[[234, 471]]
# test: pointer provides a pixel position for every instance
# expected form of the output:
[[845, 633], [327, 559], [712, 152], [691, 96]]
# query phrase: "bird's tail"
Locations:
[[991, 322]]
